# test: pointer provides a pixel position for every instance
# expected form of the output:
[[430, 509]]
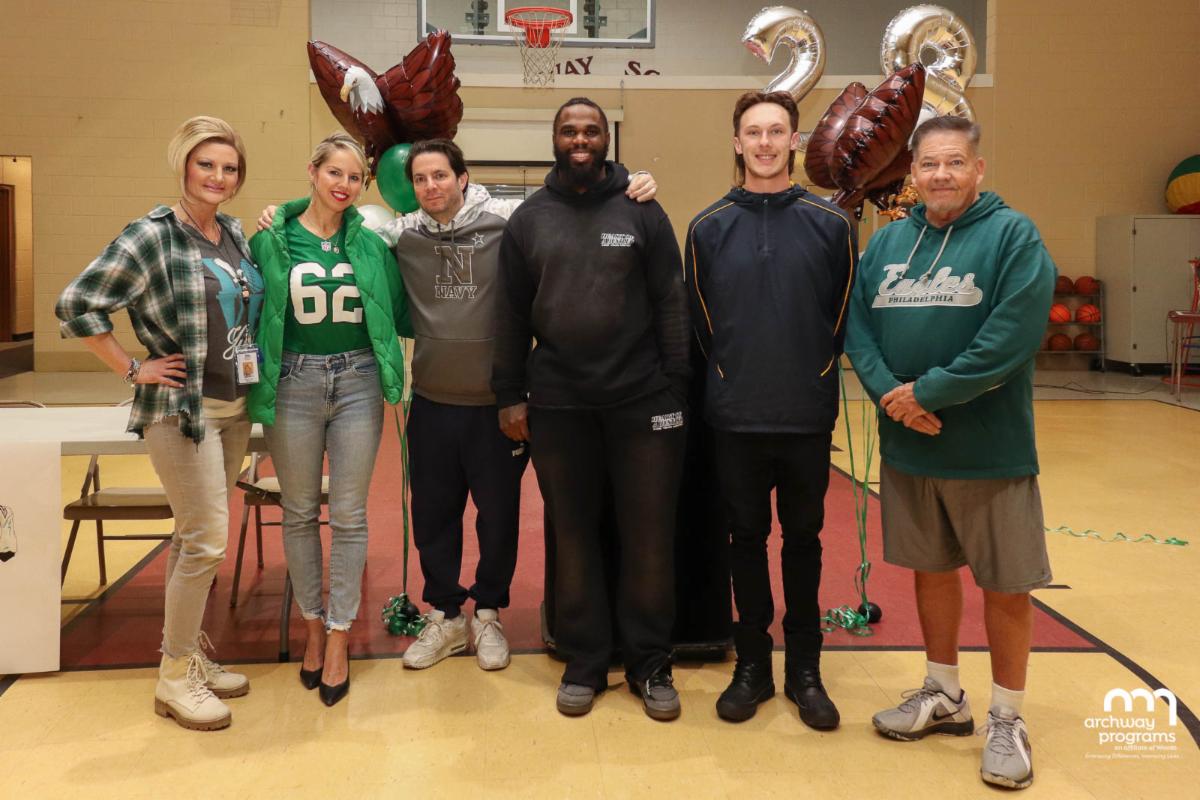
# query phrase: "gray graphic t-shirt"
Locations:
[[231, 320]]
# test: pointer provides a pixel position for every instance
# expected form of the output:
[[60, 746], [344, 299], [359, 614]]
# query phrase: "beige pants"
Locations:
[[197, 479]]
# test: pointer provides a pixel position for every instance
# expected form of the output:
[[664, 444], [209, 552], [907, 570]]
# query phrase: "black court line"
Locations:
[[1183, 711], [115, 586], [1185, 714]]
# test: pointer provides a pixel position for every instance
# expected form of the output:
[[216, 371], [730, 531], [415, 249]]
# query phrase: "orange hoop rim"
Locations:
[[564, 17]]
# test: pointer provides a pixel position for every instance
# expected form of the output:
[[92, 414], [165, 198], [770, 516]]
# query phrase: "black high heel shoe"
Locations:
[[330, 695], [310, 678]]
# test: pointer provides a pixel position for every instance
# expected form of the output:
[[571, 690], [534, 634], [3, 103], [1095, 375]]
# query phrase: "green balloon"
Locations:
[[394, 185]]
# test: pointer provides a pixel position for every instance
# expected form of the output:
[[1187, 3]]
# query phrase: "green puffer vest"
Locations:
[[385, 307]]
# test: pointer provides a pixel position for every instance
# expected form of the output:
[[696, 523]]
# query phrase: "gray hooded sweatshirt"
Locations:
[[450, 273]]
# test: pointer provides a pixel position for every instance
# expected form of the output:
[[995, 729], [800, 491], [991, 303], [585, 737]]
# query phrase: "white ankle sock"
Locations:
[[947, 677], [1006, 702]]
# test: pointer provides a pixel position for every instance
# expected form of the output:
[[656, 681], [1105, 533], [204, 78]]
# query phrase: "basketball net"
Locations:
[[538, 33]]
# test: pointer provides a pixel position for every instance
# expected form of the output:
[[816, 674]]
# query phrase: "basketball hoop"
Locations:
[[538, 32]]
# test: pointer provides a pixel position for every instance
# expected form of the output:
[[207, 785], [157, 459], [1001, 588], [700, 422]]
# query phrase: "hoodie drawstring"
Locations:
[[936, 258]]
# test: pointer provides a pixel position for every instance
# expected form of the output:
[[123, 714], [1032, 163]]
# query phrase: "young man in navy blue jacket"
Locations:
[[769, 269]]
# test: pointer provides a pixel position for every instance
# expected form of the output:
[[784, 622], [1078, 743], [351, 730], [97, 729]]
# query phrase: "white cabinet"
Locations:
[[1143, 262]]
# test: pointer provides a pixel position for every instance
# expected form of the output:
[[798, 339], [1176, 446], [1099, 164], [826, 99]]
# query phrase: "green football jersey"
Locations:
[[325, 310]]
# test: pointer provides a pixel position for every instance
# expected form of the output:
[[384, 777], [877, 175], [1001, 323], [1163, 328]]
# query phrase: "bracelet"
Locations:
[[131, 374]]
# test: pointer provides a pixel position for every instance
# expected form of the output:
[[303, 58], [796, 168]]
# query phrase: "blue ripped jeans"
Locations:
[[326, 404]]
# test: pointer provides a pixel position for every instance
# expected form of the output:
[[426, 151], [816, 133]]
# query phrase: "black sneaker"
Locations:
[[658, 694], [752, 684], [804, 688]]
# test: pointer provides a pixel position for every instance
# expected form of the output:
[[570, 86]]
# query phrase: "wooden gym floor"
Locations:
[[1118, 462]]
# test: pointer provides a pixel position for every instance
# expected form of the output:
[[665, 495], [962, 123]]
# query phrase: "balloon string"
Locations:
[[400, 614], [845, 617], [1118, 536]]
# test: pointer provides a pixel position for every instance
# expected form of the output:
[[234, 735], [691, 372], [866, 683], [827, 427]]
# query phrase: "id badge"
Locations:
[[247, 364]]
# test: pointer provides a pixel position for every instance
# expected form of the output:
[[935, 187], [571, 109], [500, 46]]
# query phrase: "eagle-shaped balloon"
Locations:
[[860, 145], [416, 99]]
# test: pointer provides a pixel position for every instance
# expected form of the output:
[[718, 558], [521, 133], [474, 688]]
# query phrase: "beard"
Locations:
[[581, 175]]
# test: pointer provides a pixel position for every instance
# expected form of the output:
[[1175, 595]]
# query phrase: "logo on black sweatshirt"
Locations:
[[942, 289], [456, 280], [616, 240]]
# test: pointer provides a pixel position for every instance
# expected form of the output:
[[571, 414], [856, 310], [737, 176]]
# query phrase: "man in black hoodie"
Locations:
[[770, 268], [596, 279]]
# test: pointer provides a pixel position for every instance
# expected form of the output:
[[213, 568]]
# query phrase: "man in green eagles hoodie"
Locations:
[[947, 314]]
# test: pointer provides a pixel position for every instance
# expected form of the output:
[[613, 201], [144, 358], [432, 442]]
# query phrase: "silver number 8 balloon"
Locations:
[[941, 41]]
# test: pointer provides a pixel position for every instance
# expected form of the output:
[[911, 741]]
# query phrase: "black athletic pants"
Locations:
[[796, 466], [639, 448], [453, 451]]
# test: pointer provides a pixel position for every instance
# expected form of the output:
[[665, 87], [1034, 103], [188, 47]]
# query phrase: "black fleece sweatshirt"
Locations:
[[597, 279]]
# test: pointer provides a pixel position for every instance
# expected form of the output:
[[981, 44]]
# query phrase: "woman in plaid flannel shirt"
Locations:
[[193, 294]]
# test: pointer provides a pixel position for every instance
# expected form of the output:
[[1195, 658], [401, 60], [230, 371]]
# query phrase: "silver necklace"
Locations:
[[196, 225]]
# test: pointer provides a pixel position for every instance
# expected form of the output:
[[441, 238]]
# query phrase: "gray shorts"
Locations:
[[992, 525]]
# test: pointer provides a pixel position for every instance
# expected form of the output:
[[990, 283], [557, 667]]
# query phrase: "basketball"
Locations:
[[1086, 285], [1064, 285], [1086, 341], [1087, 313], [1183, 187], [1060, 313], [1059, 341]]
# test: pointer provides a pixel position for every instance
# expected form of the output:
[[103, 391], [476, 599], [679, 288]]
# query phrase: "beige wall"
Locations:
[[93, 91], [1095, 103], [1092, 106], [16, 171]]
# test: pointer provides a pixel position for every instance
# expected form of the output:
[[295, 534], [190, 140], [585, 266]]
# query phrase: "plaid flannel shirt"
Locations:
[[153, 270]]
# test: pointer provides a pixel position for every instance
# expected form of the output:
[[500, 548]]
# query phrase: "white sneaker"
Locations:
[[182, 695], [491, 648], [439, 638], [1007, 755], [924, 711], [220, 681]]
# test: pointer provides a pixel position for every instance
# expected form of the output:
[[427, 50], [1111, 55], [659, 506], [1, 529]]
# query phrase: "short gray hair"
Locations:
[[947, 125]]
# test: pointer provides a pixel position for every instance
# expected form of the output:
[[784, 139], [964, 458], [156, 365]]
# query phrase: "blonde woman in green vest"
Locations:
[[334, 306]]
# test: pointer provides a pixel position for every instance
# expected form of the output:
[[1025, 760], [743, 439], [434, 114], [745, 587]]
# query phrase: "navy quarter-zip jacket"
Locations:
[[769, 278]]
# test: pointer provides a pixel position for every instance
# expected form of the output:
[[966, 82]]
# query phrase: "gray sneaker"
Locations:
[[575, 699], [439, 639], [658, 694], [1007, 755], [924, 711]]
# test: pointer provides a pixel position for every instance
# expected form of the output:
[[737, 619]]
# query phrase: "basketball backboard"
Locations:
[[594, 23]]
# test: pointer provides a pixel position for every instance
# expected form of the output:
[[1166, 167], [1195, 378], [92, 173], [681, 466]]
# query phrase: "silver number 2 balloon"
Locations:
[[941, 41], [796, 30]]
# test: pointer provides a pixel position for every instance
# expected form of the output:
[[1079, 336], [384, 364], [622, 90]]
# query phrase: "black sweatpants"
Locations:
[[453, 451], [796, 466], [639, 446]]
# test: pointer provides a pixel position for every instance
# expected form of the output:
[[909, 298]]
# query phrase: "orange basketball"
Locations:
[[1060, 313], [1087, 313], [1085, 341], [1064, 285], [1086, 285], [1059, 341]]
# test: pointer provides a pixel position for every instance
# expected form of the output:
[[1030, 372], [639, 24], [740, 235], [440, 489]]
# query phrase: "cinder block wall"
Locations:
[[93, 91]]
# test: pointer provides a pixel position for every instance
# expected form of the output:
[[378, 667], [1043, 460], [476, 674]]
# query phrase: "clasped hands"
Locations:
[[901, 405]]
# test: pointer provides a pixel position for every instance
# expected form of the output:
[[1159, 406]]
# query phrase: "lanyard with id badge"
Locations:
[[247, 354]]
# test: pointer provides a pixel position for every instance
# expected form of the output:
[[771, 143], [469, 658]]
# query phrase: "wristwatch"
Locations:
[[131, 374]]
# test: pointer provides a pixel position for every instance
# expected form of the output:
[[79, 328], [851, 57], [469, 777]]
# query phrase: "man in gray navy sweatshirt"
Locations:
[[596, 280]]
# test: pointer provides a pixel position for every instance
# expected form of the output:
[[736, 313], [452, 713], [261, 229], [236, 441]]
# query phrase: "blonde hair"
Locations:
[[340, 140], [200, 130]]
